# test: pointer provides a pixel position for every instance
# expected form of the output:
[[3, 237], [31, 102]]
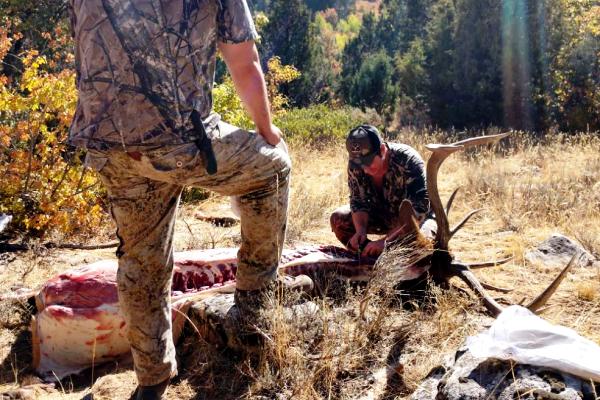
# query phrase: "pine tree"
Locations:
[[440, 55]]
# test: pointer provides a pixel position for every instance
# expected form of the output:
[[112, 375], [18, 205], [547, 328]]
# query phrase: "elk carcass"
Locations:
[[78, 324]]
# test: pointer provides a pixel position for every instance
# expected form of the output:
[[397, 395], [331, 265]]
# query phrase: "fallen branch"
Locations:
[[14, 247]]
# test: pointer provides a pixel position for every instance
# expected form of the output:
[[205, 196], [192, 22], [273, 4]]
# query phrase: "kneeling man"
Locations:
[[380, 176]]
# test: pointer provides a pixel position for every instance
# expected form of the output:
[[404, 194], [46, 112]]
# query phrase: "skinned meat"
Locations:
[[78, 323]]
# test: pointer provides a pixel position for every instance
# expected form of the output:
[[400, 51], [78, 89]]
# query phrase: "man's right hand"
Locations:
[[272, 135], [356, 240]]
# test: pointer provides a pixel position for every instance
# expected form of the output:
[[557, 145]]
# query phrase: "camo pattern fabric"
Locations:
[[143, 67], [404, 179], [144, 190]]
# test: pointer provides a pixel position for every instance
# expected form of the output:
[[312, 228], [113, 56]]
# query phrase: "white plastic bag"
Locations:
[[521, 336], [4, 221]]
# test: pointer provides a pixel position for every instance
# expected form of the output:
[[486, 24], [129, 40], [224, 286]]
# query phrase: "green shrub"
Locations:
[[321, 124]]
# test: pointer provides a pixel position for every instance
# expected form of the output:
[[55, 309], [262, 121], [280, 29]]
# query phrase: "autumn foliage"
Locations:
[[43, 186]]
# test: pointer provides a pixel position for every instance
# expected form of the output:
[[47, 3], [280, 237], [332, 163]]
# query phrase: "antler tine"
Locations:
[[489, 263], [476, 141], [546, 294], [496, 288], [440, 153], [463, 272], [464, 221], [451, 200]]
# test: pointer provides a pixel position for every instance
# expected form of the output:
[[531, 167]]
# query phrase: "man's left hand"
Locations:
[[374, 248]]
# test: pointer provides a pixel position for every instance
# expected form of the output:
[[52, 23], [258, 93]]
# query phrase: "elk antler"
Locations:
[[440, 153], [464, 273], [440, 261]]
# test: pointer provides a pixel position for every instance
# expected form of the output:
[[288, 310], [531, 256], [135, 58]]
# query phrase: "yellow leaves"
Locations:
[[591, 21], [228, 104], [260, 21], [277, 75], [40, 190], [4, 140], [5, 42]]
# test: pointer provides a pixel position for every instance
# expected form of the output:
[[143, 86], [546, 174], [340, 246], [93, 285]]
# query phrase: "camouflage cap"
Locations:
[[363, 144]]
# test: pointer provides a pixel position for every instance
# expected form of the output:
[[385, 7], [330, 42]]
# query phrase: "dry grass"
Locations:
[[367, 344]]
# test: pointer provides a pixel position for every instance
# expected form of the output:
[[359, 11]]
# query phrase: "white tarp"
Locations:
[[521, 336], [4, 221]]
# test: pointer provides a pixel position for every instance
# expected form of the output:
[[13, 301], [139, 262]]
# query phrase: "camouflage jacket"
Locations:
[[404, 179], [144, 67]]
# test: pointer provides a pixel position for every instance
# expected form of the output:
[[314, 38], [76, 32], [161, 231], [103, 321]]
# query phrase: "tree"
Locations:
[[39, 25], [358, 49], [439, 44], [575, 72], [401, 22], [287, 36], [413, 80], [320, 72], [42, 187], [372, 86]]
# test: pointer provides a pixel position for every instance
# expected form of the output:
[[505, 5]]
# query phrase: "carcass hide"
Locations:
[[78, 323]]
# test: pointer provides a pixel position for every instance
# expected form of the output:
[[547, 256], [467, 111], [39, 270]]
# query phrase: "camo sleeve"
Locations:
[[360, 190], [235, 22], [407, 179]]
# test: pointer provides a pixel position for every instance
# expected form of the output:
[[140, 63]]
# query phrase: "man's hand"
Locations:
[[374, 248], [271, 135], [244, 66], [357, 240]]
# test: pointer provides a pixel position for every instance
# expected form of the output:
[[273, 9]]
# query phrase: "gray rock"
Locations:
[[557, 251], [470, 378], [217, 321]]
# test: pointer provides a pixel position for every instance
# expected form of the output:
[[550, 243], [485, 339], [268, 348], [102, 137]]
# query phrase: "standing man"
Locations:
[[380, 176], [145, 71]]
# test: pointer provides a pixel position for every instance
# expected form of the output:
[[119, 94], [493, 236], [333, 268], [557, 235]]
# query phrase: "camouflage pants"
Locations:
[[343, 227], [144, 190]]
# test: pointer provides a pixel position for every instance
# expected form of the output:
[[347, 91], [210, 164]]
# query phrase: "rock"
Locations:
[[557, 251], [473, 378], [28, 392], [224, 221], [217, 321]]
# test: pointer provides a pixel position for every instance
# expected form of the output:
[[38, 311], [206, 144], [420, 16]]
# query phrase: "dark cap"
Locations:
[[363, 144]]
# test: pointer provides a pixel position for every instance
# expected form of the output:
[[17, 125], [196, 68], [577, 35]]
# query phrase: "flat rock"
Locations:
[[557, 251], [466, 377], [218, 322]]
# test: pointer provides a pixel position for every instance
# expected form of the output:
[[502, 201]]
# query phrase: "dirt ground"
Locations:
[[527, 192]]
